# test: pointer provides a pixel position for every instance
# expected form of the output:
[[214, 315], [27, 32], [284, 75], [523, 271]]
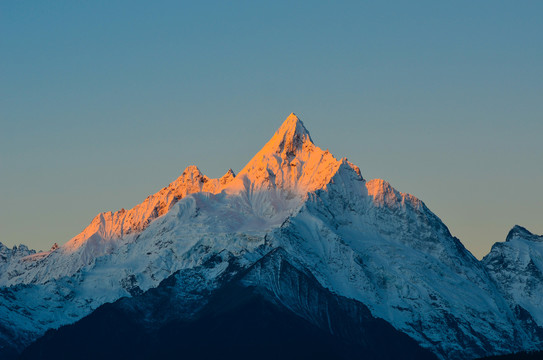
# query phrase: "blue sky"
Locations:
[[105, 102]]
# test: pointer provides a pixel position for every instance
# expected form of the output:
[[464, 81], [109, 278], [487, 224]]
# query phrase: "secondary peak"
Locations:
[[520, 232], [192, 170]]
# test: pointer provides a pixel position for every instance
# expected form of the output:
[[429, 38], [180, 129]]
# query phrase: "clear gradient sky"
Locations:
[[105, 102]]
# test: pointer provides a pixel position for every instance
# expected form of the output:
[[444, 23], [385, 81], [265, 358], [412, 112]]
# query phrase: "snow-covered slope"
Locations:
[[388, 251], [106, 232], [361, 240], [273, 309], [517, 266], [110, 226]]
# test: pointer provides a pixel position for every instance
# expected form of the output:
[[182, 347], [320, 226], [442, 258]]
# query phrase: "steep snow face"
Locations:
[[384, 248], [517, 266]]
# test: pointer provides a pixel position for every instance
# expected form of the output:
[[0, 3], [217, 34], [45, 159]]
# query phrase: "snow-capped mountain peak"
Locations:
[[519, 232], [227, 178], [288, 141], [517, 267], [289, 162], [365, 241], [290, 137]]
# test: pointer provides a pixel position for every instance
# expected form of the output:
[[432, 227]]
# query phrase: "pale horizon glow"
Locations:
[[104, 104]]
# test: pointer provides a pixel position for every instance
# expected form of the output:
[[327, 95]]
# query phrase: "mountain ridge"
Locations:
[[362, 240]]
